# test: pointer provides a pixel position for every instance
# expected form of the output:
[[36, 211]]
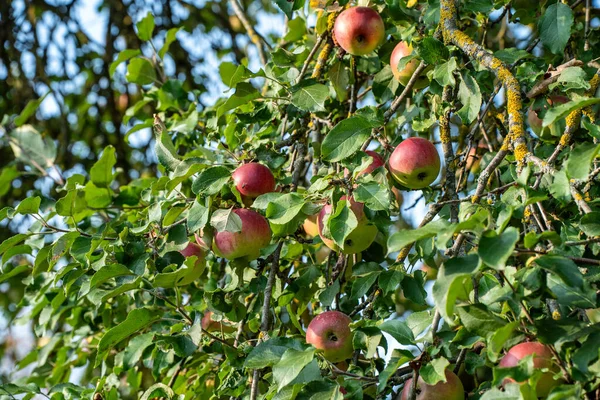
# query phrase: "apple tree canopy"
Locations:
[[128, 270]]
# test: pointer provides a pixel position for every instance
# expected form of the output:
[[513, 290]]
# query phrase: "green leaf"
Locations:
[[432, 51], [290, 365], [310, 96], [444, 73], [346, 138], [101, 172], [402, 238], [512, 55], [327, 296], [470, 97], [435, 371], [341, 223], [165, 151], [170, 37], [580, 160], [145, 27], [29, 110], [7, 175], [285, 208], [19, 269], [478, 319], [211, 180], [123, 56], [268, 353], [70, 205], [232, 74], [389, 280], [564, 268], [375, 195], [244, 93], [158, 390], [136, 320], [288, 6], [362, 284], [561, 111], [340, 78], [419, 321], [197, 217], [499, 338], [571, 78], [590, 224], [453, 283], [29, 147], [108, 272], [399, 330], [29, 205], [555, 27], [226, 221], [496, 249], [140, 71], [135, 348]]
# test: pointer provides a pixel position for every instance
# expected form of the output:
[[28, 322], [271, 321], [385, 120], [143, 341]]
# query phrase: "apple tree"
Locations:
[[392, 199]]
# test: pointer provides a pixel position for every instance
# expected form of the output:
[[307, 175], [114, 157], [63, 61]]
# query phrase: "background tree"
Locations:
[[255, 245]]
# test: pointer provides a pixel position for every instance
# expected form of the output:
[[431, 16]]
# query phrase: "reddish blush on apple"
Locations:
[[452, 389], [253, 179], [415, 163], [254, 236], [402, 50], [359, 30], [330, 332], [542, 358]]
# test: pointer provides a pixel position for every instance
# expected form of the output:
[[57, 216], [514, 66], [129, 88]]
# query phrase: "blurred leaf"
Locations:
[[29, 110], [140, 71], [555, 27], [29, 147], [145, 27], [101, 172], [580, 160], [244, 93]]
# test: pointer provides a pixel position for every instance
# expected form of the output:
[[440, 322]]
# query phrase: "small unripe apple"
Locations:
[[193, 249], [415, 163], [542, 358], [452, 389], [402, 50], [310, 226], [330, 332], [253, 179], [535, 122], [255, 235], [359, 239], [359, 30]]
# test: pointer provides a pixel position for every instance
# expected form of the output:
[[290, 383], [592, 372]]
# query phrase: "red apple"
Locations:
[[330, 332], [310, 226], [255, 235], [359, 30], [402, 50], [253, 179], [452, 389], [359, 239], [542, 358], [415, 163], [535, 122]]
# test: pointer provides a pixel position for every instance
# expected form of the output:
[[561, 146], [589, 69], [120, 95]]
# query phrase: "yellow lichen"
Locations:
[[573, 120], [588, 112], [445, 136], [564, 139], [577, 196], [475, 199], [521, 152], [322, 60], [331, 21], [556, 315]]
